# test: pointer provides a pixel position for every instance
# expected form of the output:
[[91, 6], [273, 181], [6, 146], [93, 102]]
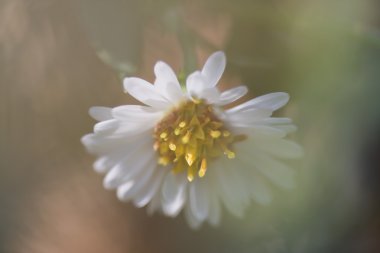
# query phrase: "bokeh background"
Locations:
[[58, 58]]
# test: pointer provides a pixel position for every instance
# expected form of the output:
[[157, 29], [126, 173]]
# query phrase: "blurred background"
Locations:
[[58, 58]]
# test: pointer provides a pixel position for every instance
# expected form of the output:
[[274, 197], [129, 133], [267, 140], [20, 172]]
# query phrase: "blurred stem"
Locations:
[[174, 22], [187, 41]]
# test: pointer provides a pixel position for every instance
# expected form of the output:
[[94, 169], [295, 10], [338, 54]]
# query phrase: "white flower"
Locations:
[[184, 151]]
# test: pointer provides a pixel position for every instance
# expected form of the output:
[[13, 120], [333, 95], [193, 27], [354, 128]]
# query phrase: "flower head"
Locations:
[[185, 151]]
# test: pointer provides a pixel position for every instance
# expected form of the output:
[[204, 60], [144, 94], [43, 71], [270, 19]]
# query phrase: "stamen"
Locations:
[[177, 131], [191, 173], [190, 137], [189, 159], [172, 147], [203, 168], [230, 154], [215, 134], [186, 138], [190, 176], [163, 135]]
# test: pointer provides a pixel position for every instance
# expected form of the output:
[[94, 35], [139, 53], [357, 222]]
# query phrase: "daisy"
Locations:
[[183, 150]]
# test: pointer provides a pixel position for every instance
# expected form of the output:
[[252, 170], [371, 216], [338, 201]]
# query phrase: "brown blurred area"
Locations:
[[50, 76], [52, 200]]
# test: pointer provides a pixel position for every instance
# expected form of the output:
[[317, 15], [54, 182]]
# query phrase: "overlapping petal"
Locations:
[[145, 92], [167, 83], [213, 69]]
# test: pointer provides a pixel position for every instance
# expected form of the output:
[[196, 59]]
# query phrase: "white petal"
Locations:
[[94, 144], [197, 88], [99, 146], [281, 148], [215, 209], [124, 189], [134, 163], [165, 72], [290, 128], [255, 183], [129, 128], [105, 163], [230, 191], [259, 190], [232, 95], [272, 101], [247, 118], [151, 188], [100, 113], [154, 204], [193, 222], [199, 199], [277, 172], [214, 68], [114, 177], [195, 84], [173, 194], [167, 83], [139, 182], [173, 94], [106, 127], [108, 144], [260, 131], [211, 95], [145, 92], [101, 165], [136, 118], [236, 179], [284, 124], [133, 111]]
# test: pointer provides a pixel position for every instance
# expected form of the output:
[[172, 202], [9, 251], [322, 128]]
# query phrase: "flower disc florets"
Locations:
[[190, 136]]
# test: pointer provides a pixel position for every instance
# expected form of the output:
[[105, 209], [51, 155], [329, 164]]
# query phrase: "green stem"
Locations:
[[187, 41]]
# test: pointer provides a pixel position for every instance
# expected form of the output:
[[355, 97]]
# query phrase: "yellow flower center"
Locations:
[[190, 136]]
